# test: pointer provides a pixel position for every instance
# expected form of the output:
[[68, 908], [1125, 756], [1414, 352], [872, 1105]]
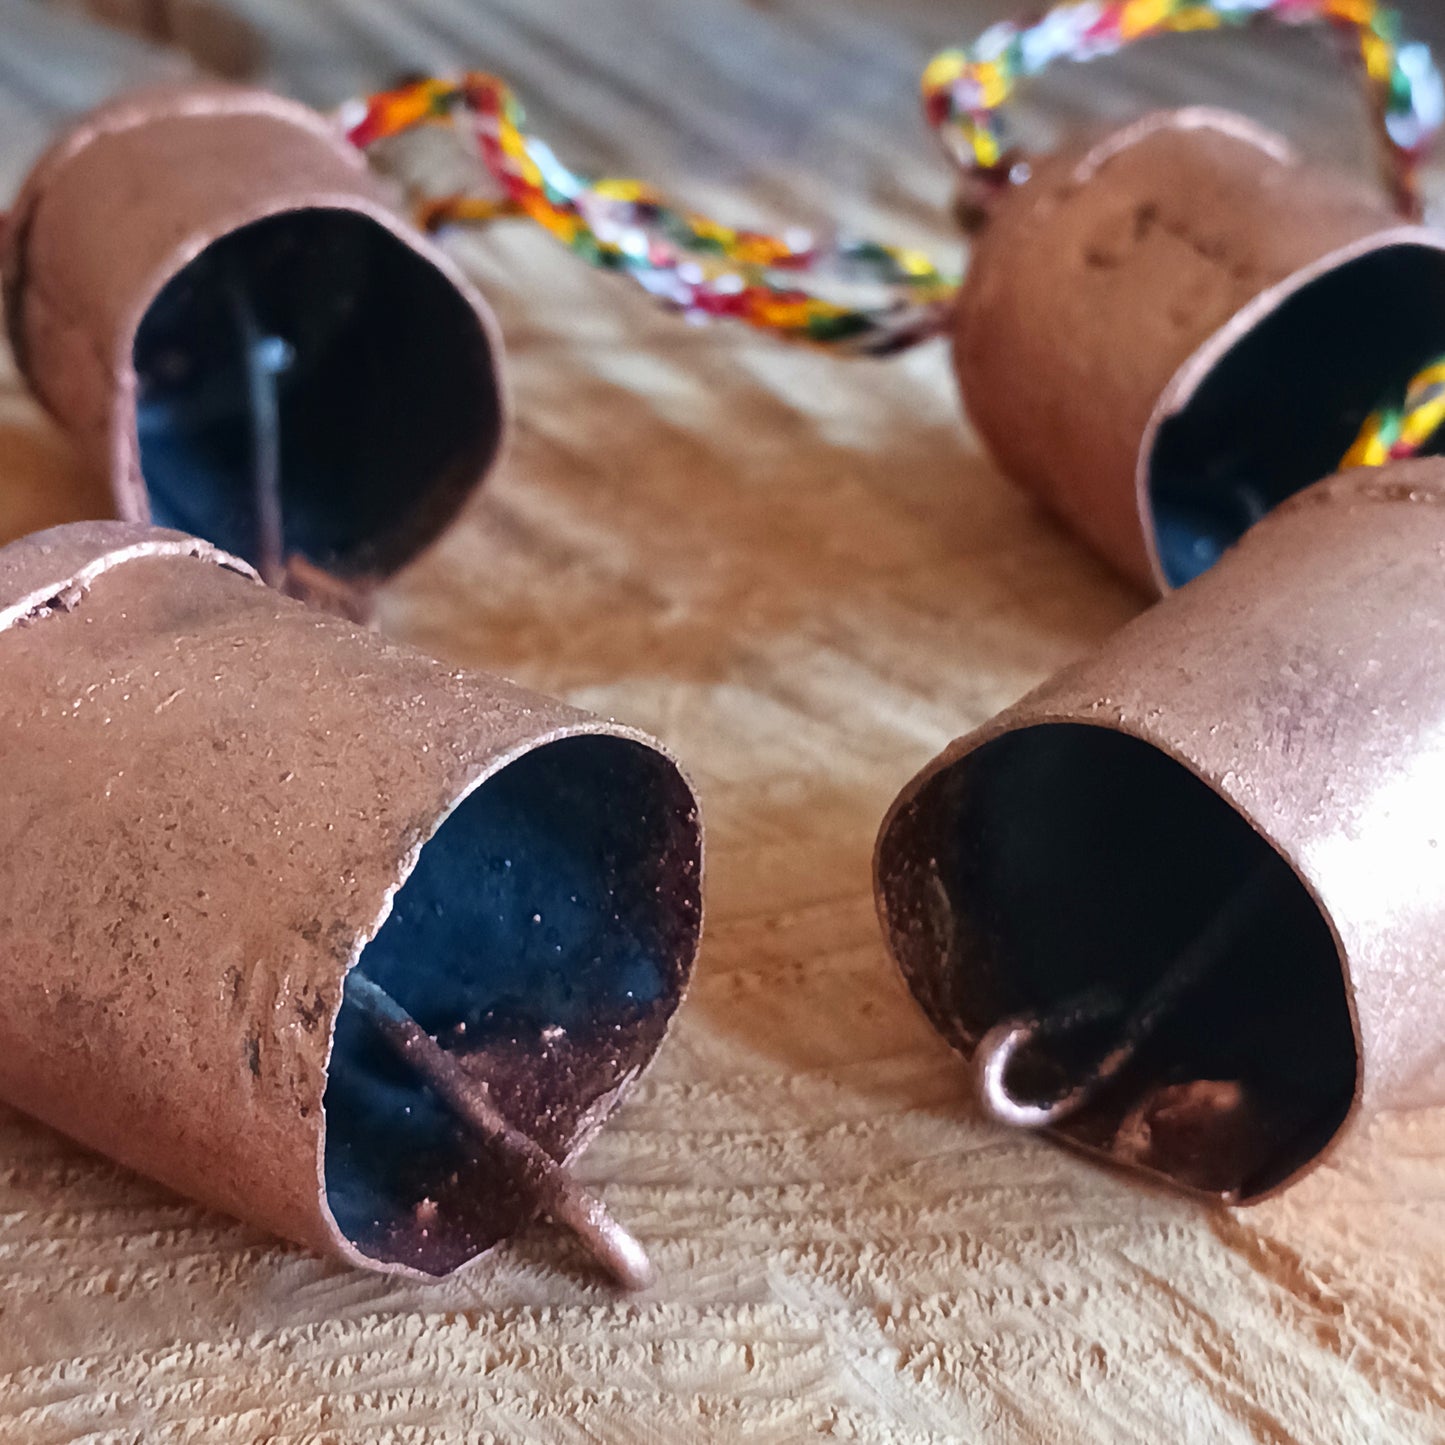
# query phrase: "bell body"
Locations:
[[1273, 732], [214, 803], [179, 248], [1165, 333]]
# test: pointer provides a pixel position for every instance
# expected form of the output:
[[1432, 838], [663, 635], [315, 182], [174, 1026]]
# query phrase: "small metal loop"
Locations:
[[1001, 1045], [996, 1051], [979, 188]]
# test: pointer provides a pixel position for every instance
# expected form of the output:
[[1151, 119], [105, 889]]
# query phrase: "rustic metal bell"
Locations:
[[1165, 333], [232, 824], [1183, 905], [214, 295]]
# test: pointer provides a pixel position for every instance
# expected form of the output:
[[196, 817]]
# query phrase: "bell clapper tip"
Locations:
[[551, 1185], [342, 597], [995, 1053], [1001, 1045]]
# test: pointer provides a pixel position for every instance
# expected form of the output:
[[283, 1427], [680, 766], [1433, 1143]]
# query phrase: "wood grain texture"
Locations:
[[802, 574]]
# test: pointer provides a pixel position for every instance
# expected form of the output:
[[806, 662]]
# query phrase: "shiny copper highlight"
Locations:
[[216, 803], [178, 242], [1165, 333], [1258, 762]]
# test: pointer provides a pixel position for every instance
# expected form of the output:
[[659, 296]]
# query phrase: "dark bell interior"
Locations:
[[380, 373], [1066, 862], [539, 938], [1282, 407]]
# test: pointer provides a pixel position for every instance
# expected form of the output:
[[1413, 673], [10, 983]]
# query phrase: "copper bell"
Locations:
[[1184, 904], [284, 902], [1166, 333], [191, 270]]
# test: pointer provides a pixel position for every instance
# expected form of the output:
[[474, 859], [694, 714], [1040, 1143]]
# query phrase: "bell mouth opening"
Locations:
[[1278, 407], [543, 938], [1079, 877], [369, 370]]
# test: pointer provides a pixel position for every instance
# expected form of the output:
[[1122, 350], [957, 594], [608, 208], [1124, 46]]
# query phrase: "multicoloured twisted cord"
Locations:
[[691, 263], [707, 270], [964, 90], [1403, 430]]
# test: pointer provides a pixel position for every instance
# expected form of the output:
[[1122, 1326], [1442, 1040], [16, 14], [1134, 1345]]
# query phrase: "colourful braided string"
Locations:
[[708, 271], [1405, 429], [691, 263], [964, 90]]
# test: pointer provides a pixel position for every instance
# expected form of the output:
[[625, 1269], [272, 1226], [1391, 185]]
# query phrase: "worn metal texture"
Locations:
[[401, 412], [215, 804], [1302, 682], [807, 576], [1110, 287]]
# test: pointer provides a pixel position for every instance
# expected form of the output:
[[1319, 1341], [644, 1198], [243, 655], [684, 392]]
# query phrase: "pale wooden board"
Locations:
[[803, 575]]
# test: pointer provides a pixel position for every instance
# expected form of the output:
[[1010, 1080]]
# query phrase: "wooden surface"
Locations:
[[803, 575]]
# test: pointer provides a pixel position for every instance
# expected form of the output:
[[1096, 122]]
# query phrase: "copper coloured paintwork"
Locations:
[[1188, 268], [1284, 713], [122, 252], [217, 802]]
